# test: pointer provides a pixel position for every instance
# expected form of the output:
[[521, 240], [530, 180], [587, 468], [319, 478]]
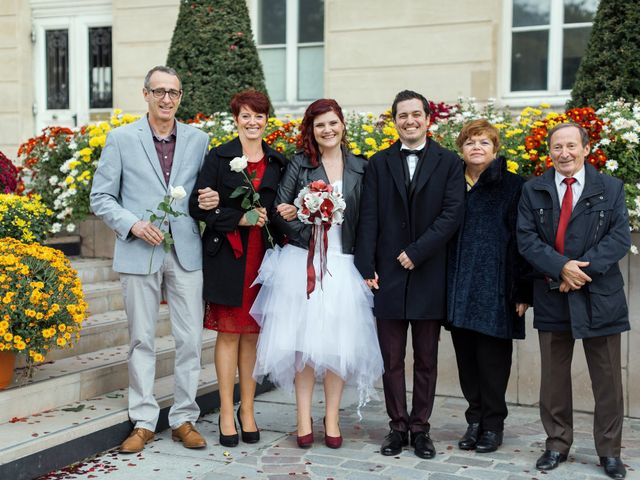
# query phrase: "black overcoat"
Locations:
[[421, 224], [598, 232], [486, 274], [224, 273]]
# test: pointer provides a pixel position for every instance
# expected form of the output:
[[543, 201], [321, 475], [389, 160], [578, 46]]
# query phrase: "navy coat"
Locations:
[[598, 232], [486, 274], [224, 273], [421, 224]]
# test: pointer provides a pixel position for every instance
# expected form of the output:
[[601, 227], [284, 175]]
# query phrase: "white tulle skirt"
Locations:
[[334, 330]]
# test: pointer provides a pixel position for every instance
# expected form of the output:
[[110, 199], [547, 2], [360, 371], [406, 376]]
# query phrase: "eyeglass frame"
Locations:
[[166, 92]]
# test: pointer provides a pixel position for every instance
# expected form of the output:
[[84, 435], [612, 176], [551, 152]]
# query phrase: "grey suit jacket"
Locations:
[[128, 182]]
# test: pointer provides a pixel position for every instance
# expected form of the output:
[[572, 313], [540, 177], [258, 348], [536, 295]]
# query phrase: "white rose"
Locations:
[[312, 202], [238, 164], [177, 193]]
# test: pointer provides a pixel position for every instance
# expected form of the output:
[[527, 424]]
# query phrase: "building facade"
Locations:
[[68, 62]]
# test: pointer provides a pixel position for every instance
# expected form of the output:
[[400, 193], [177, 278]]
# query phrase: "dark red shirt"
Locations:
[[165, 147]]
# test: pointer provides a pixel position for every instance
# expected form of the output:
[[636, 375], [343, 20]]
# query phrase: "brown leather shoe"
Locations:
[[189, 436], [136, 441]]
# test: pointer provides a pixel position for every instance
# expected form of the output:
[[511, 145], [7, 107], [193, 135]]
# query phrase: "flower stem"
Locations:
[[257, 204], [153, 250]]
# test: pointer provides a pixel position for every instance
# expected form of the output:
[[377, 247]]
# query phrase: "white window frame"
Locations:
[[76, 16], [291, 47], [554, 94]]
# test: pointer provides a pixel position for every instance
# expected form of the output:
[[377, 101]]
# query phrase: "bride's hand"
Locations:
[[372, 283], [287, 211]]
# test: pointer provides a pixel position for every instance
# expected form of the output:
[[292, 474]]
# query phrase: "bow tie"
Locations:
[[407, 152]]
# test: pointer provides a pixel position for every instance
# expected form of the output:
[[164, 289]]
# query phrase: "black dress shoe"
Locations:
[[393, 443], [613, 467], [470, 437], [248, 437], [423, 446], [228, 440], [550, 459], [489, 441]]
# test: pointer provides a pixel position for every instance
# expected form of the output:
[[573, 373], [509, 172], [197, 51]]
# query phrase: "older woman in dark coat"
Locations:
[[487, 292]]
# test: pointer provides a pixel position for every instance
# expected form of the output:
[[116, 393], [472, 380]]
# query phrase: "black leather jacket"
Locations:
[[300, 173]]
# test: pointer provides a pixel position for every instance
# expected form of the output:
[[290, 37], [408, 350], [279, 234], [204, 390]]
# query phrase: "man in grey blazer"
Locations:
[[138, 164]]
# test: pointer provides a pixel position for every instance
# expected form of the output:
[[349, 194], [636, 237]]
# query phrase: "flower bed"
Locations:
[[24, 218], [8, 175], [60, 163]]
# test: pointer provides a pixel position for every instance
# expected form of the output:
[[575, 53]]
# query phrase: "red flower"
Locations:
[[8, 175]]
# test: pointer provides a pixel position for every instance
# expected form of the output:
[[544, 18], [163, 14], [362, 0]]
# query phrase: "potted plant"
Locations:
[[41, 302]]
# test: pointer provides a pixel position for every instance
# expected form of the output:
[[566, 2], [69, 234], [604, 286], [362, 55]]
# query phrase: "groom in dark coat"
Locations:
[[412, 204]]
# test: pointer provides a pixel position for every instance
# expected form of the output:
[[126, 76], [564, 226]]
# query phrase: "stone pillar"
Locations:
[[98, 240]]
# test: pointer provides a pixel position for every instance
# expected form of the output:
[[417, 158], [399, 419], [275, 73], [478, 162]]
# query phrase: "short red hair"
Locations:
[[307, 139], [256, 101]]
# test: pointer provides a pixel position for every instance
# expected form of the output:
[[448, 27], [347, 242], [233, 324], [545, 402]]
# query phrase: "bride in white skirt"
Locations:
[[330, 335]]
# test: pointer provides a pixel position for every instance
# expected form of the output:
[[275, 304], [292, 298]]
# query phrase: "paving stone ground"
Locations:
[[277, 456]]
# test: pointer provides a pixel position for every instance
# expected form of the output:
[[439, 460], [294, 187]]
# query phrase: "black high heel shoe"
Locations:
[[228, 440], [248, 437]]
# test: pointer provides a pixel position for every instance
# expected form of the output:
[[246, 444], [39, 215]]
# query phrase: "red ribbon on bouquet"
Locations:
[[317, 231], [319, 206]]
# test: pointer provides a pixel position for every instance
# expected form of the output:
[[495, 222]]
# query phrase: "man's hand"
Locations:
[[262, 218], [573, 276], [564, 287], [405, 261], [208, 199], [148, 232], [372, 283], [287, 211]]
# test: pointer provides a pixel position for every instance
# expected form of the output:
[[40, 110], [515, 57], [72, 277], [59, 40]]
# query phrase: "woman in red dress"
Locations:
[[234, 245]]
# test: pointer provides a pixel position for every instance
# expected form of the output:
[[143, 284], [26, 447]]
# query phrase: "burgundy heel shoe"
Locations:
[[305, 441], [331, 442]]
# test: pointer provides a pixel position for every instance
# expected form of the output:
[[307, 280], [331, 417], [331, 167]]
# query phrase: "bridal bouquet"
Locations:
[[319, 206]]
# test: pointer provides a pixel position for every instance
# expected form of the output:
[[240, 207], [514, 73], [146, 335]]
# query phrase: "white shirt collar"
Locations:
[[419, 147], [579, 176]]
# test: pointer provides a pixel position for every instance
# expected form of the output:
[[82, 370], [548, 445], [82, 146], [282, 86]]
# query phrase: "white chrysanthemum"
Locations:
[[612, 165], [53, 180], [634, 249], [55, 228], [71, 228], [631, 137]]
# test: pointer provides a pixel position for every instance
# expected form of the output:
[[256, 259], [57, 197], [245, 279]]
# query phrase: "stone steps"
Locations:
[[76, 403], [78, 378], [56, 437], [103, 297], [105, 330], [92, 270]]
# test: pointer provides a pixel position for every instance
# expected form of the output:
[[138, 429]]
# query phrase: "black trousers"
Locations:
[[392, 336], [484, 366]]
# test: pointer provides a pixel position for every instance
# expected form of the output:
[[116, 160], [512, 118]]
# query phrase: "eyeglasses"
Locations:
[[159, 93]]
